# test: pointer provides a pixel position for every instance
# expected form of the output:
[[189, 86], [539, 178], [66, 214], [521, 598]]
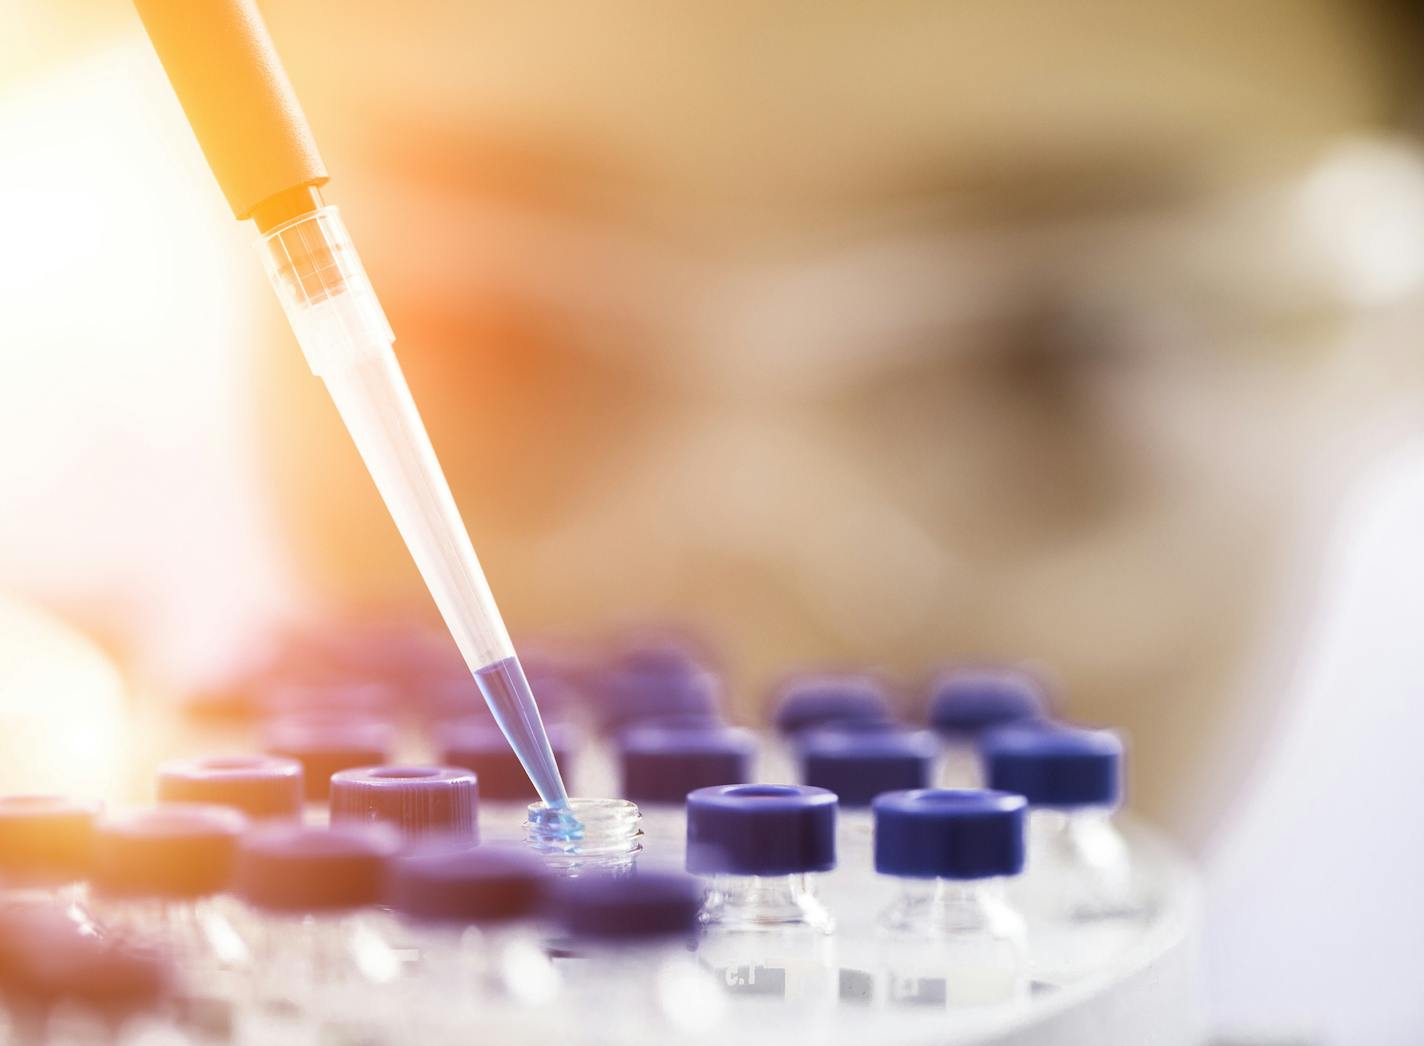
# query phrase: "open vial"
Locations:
[[586, 835]]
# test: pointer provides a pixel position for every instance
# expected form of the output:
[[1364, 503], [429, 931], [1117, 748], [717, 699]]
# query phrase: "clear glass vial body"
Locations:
[[949, 943], [1082, 900], [209, 945], [645, 993], [769, 937], [497, 978], [586, 835], [322, 977]]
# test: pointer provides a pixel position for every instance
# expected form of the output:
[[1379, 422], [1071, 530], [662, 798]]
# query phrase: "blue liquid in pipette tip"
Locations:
[[509, 697]]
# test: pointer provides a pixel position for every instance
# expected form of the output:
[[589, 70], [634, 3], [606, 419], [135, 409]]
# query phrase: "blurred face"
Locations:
[[724, 338]]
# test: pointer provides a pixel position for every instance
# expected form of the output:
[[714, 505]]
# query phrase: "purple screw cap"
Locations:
[[295, 868], [661, 764], [324, 744], [647, 905], [810, 701], [634, 692], [1055, 766], [258, 785], [970, 700], [858, 766], [480, 746], [181, 850], [47, 959], [761, 829], [45, 838], [949, 834], [417, 800], [481, 885]]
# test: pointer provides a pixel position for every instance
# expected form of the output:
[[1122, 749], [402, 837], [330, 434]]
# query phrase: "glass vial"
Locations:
[[586, 835], [765, 931], [950, 940]]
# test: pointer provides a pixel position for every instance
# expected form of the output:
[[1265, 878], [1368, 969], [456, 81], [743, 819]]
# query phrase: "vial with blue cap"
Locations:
[[659, 765], [1079, 892], [629, 960], [847, 701], [858, 765], [965, 703], [318, 942], [951, 939], [473, 915], [766, 932]]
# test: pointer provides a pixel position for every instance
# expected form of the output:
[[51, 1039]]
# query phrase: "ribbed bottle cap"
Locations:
[[417, 800], [479, 745], [45, 838], [808, 701], [258, 785], [969, 700], [761, 829], [859, 765], [1055, 766], [177, 850], [324, 744], [297, 868], [661, 764], [645, 906], [476, 885], [949, 834]]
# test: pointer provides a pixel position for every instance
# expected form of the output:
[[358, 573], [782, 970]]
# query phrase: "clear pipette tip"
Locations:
[[343, 332]]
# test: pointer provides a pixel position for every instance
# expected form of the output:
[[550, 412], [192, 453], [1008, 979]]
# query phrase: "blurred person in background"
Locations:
[[891, 334]]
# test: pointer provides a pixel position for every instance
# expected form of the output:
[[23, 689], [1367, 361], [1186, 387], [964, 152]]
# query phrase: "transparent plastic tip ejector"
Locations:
[[225, 70]]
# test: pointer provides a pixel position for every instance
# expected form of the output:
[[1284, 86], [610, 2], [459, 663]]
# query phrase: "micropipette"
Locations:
[[224, 68]]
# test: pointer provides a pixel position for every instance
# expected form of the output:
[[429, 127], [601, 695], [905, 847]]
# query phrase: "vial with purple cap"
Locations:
[[660, 765], [161, 874], [319, 945], [260, 786], [965, 703], [951, 939], [64, 986], [417, 801], [766, 932], [46, 852], [629, 959], [324, 744], [849, 701], [473, 916], [1079, 892], [858, 765]]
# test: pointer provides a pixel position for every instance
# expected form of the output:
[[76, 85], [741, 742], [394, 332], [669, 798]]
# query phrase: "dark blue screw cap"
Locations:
[[858, 766], [1055, 766], [661, 764], [484, 884], [811, 701], [949, 834], [969, 700], [479, 745], [761, 829], [646, 905]]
